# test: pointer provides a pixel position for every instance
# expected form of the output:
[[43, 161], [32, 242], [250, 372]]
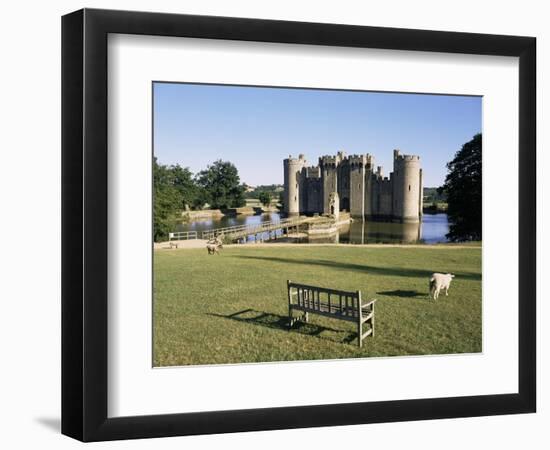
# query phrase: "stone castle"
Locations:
[[350, 183]]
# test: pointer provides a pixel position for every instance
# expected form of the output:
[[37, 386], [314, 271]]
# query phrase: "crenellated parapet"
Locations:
[[409, 158], [329, 161], [301, 159], [397, 156], [313, 172], [332, 160], [357, 161]]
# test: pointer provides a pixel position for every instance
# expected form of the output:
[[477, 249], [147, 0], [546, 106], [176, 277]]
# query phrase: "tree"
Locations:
[[182, 179], [221, 186], [265, 198], [174, 187], [463, 190], [167, 201]]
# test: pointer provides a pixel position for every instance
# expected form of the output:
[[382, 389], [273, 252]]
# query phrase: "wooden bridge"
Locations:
[[239, 232]]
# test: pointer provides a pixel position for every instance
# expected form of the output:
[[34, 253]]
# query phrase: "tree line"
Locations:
[[462, 189], [176, 188]]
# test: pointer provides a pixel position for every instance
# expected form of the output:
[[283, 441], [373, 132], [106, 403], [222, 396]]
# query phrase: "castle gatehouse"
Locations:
[[361, 190]]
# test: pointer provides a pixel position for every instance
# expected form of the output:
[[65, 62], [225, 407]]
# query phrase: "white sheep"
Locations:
[[213, 245], [213, 248], [440, 281]]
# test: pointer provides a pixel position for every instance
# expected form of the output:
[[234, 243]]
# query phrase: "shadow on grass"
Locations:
[[403, 294], [278, 322], [374, 270]]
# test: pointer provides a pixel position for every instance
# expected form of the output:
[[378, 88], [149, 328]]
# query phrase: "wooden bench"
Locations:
[[331, 303]]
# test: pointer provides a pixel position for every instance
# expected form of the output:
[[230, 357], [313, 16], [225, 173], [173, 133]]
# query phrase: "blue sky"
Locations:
[[256, 127]]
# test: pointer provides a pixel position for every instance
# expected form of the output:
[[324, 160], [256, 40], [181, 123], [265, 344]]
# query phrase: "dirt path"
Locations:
[[189, 243], [201, 243], [289, 244]]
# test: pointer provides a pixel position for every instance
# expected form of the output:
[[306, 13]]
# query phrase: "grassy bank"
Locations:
[[232, 308]]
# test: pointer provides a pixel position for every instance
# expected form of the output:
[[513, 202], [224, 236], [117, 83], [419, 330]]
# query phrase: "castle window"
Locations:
[[409, 187]]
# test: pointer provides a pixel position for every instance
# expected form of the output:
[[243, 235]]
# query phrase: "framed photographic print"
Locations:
[[272, 224]]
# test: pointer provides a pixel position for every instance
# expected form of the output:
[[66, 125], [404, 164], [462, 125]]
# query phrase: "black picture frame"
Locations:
[[84, 224]]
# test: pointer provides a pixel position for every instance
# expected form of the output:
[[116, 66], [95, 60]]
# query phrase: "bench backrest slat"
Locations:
[[307, 296], [322, 289]]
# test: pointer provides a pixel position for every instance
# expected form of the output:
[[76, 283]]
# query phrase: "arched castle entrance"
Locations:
[[334, 205]]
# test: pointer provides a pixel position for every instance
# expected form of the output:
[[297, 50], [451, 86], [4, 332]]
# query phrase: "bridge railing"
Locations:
[[251, 229], [182, 235]]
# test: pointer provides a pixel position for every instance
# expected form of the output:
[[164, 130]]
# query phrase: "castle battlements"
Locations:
[[359, 160], [299, 159], [409, 158], [398, 157], [329, 160], [363, 193], [313, 172]]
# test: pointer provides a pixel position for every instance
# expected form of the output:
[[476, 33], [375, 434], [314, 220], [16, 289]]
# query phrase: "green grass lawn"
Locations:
[[233, 307]]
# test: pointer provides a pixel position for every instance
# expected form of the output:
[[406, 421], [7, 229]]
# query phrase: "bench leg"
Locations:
[[360, 334], [292, 320], [372, 324]]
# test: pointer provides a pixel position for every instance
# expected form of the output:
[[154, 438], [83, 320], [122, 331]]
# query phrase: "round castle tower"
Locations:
[[407, 188], [293, 183]]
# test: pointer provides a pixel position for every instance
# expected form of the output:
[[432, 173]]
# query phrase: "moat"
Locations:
[[431, 230]]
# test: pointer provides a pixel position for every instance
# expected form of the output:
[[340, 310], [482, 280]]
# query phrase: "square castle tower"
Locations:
[[362, 191]]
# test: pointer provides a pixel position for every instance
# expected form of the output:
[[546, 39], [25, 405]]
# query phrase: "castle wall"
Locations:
[[361, 191], [384, 201], [368, 187], [358, 188], [398, 186], [314, 190], [329, 176], [344, 185]]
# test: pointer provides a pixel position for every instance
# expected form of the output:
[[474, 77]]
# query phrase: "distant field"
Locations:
[[232, 307]]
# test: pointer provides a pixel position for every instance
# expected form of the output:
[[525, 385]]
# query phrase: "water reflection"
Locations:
[[431, 230], [382, 232], [227, 221]]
